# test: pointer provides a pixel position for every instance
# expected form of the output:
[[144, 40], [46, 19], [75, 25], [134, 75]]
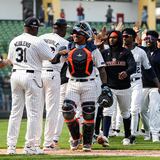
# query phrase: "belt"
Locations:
[[27, 71], [49, 70], [134, 79], [82, 80]]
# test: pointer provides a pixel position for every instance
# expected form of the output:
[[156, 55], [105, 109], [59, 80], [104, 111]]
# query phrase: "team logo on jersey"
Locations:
[[114, 60], [79, 55]]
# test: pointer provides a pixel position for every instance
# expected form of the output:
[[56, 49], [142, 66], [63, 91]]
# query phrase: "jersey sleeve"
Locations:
[[45, 51], [98, 59], [11, 51], [145, 61]]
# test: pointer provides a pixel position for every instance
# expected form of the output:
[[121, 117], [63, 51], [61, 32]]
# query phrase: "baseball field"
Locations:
[[142, 150]]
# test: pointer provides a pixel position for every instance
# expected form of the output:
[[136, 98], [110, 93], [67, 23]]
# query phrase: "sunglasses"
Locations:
[[149, 38], [126, 36]]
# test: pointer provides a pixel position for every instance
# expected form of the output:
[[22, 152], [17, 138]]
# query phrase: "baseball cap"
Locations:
[[60, 22], [32, 22]]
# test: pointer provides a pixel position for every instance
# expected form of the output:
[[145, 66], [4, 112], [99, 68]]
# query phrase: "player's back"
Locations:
[[55, 42], [27, 52], [141, 60]]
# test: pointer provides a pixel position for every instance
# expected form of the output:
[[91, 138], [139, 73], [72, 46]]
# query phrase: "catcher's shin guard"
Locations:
[[88, 130], [73, 127], [88, 111], [69, 114]]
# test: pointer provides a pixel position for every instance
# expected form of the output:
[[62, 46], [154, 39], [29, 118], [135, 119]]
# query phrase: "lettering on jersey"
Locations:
[[49, 41], [116, 63], [22, 43]]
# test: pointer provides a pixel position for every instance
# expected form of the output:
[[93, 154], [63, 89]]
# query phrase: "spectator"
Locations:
[[109, 14], [62, 14], [144, 17], [41, 14], [50, 13], [80, 12], [27, 13]]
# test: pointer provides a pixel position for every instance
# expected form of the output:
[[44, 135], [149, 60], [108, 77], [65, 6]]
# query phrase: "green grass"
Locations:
[[50, 157], [115, 144]]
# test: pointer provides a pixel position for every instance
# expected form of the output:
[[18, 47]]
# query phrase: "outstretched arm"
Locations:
[[4, 62]]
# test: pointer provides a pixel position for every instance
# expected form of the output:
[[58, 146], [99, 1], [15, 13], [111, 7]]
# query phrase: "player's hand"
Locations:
[[63, 52], [98, 40], [136, 27], [122, 75], [119, 26], [101, 37]]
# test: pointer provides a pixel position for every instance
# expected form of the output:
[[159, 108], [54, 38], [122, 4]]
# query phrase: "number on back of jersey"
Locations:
[[21, 54], [80, 62]]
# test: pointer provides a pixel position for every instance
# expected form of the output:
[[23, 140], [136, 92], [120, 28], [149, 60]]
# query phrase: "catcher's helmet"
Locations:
[[84, 28]]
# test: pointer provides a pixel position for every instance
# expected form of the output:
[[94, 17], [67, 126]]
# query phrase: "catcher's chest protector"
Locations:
[[80, 62]]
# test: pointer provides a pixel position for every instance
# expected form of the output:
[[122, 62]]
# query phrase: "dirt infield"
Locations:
[[147, 153]]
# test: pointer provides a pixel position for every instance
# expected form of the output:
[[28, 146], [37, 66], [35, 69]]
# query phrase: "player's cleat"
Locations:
[[32, 150], [39, 150], [114, 132], [49, 148], [147, 136], [11, 150], [74, 144], [94, 140], [155, 138], [103, 141], [56, 145], [132, 139], [126, 141], [87, 148]]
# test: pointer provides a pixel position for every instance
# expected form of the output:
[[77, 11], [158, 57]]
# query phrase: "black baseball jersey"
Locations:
[[117, 62], [154, 58]]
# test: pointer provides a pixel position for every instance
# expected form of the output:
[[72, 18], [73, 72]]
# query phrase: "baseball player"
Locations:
[[151, 89], [51, 83], [81, 85], [141, 59], [26, 53], [120, 64]]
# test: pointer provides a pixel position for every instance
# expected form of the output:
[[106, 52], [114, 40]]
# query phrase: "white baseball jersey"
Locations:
[[141, 60], [51, 88], [27, 52], [55, 42], [98, 62]]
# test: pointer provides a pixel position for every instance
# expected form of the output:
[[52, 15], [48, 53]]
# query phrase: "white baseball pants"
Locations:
[[26, 91], [150, 112]]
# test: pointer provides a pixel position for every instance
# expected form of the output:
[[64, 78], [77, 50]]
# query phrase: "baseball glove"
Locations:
[[106, 98]]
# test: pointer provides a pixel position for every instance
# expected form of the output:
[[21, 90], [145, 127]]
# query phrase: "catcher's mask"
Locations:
[[83, 28]]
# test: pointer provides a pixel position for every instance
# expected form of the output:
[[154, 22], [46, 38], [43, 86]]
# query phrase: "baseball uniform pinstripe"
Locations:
[[74, 89], [151, 100], [136, 86], [26, 53], [51, 86], [119, 61]]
